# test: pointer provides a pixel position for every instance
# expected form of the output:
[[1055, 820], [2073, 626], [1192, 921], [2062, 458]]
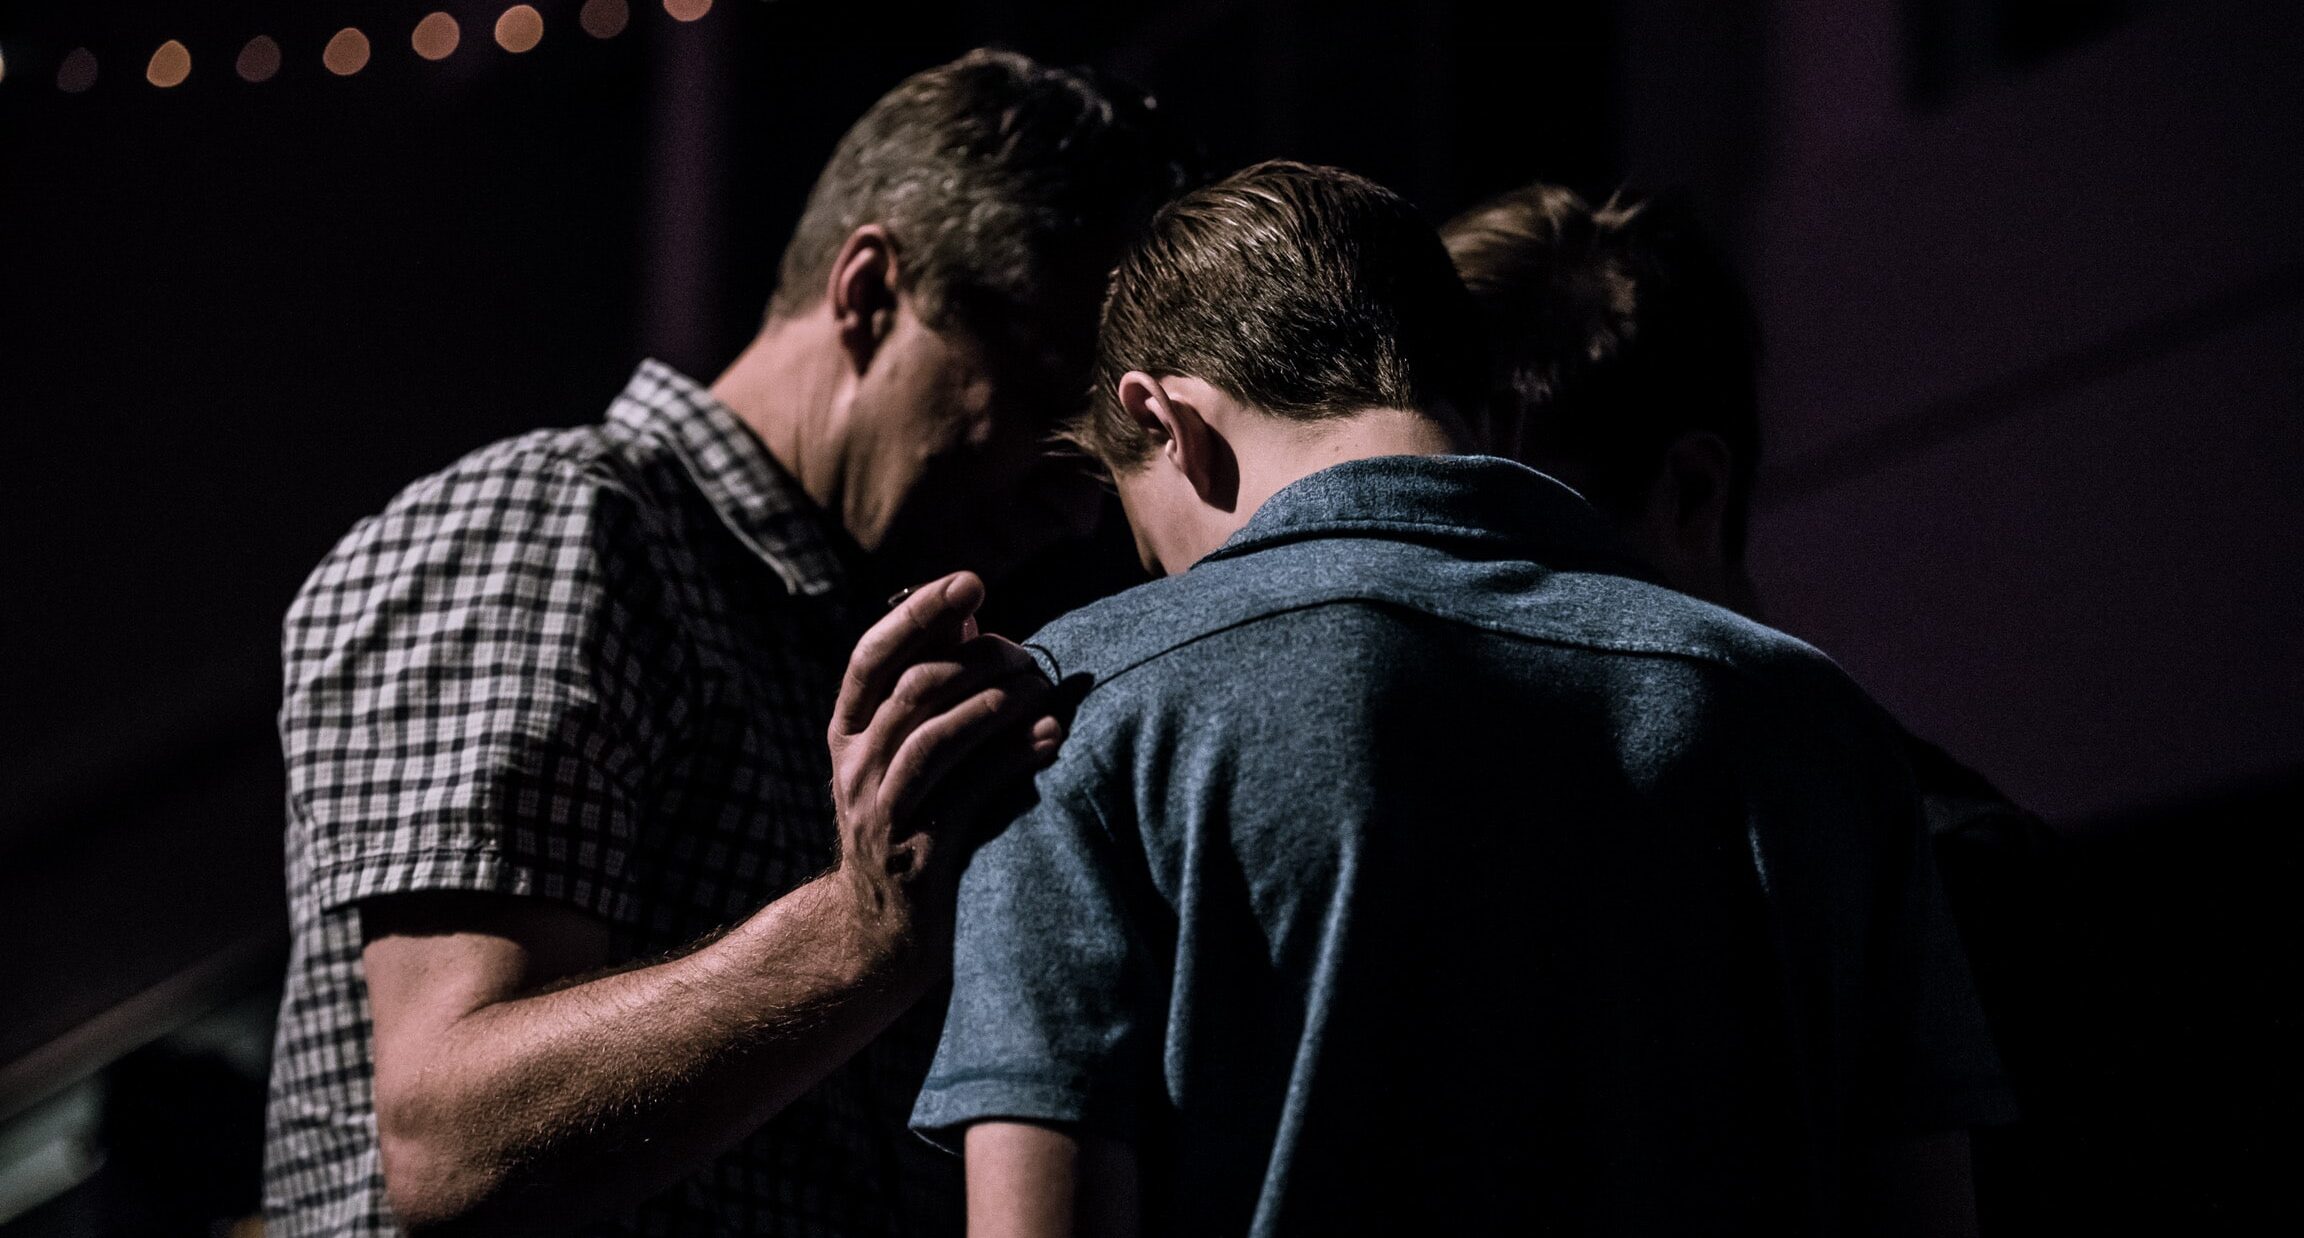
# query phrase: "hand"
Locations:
[[932, 719]]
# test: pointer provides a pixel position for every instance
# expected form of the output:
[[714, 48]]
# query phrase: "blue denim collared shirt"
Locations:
[[1412, 867]]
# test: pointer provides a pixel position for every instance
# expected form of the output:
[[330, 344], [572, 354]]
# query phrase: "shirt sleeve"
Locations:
[[1929, 1061], [481, 692], [1056, 1003]]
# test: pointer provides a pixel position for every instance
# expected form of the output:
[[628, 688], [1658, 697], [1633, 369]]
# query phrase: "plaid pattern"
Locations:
[[593, 665]]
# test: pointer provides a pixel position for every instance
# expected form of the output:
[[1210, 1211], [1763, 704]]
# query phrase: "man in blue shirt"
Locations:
[[1412, 866]]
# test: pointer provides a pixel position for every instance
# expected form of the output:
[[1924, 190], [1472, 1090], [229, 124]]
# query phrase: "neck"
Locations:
[[1294, 450], [782, 390]]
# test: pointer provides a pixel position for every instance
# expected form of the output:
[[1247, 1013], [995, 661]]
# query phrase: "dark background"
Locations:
[[2035, 298]]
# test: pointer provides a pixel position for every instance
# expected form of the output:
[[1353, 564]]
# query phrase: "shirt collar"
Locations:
[[761, 503], [1462, 500]]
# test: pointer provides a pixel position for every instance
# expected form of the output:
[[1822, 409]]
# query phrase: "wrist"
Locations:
[[880, 925]]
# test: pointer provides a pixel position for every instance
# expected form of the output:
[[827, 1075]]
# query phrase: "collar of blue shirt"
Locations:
[[1460, 500]]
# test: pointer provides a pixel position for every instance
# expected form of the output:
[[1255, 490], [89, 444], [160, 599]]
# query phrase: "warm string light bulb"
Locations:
[[436, 37], [77, 72], [604, 19], [259, 60], [347, 53], [519, 29], [169, 66]]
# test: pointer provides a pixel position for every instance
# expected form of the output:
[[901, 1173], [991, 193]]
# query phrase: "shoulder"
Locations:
[[1596, 611], [1769, 676], [555, 521], [1161, 620], [544, 468], [1616, 618], [534, 490], [1623, 629]]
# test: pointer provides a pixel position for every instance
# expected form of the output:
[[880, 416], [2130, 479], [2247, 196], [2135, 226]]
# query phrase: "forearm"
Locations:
[[1026, 1180], [546, 1108]]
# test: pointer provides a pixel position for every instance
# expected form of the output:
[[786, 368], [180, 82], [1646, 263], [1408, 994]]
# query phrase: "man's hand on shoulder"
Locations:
[[520, 1082], [932, 721]]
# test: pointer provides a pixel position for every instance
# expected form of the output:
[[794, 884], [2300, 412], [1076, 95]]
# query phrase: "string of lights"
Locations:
[[437, 36]]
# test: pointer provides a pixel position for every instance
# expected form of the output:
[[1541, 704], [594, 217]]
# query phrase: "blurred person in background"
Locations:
[[1627, 362], [593, 927], [1411, 865]]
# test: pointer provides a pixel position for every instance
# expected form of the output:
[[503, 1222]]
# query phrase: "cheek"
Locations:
[[934, 401]]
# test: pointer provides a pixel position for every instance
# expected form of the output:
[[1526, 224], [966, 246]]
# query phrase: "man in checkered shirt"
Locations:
[[594, 930]]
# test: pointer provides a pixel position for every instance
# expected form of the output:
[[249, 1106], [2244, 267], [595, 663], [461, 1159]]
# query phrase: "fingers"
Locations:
[[930, 710], [1011, 710], [962, 799], [929, 688], [929, 620], [970, 803]]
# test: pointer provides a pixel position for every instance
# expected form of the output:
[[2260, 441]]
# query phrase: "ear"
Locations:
[[1182, 438], [861, 293], [1682, 530], [1692, 491]]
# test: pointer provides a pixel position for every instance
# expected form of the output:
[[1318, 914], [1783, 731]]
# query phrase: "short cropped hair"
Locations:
[[1613, 331], [1008, 189], [1305, 292]]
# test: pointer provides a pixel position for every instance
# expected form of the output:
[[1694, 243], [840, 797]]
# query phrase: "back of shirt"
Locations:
[[1388, 882]]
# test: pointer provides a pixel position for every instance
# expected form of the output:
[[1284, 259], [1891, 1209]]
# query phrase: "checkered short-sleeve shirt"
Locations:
[[592, 665]]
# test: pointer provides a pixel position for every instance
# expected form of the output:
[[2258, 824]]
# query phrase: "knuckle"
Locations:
[[873, 650], [918, 613], [914, 685]]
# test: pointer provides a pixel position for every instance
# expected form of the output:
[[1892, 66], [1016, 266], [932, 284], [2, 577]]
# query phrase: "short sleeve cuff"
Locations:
[[349, 879], [949, 1104]]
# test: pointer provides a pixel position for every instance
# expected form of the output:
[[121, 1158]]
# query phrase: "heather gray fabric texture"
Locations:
[[1411, 866]]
